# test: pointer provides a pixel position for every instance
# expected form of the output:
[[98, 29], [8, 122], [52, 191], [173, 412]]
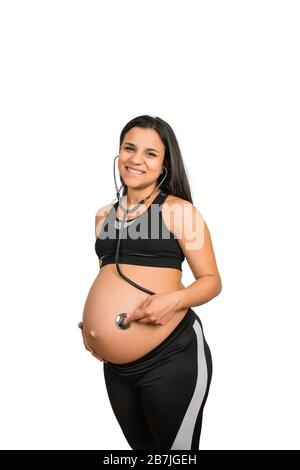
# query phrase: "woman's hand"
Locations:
[[158, 309], [80, 325]]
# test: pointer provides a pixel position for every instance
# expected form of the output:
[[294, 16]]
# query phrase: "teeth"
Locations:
[[136, 172]]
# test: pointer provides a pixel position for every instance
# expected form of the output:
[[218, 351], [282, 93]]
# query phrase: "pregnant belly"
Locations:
[[110, 295]]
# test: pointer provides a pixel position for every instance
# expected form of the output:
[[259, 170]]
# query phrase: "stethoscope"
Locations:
[[120, 317]]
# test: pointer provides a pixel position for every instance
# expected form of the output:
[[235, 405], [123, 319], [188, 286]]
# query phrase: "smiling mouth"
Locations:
[[131, 171]]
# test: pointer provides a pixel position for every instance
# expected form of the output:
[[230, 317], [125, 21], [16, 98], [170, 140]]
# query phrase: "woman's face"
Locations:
[[141, 150]]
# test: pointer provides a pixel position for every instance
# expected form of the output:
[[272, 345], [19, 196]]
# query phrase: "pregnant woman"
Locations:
[[137, 317]]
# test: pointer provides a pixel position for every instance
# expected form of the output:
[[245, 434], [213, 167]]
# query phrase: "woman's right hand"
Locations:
[[87, 347]]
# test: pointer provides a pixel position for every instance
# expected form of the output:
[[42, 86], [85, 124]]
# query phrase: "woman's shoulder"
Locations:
[[101, 216], [178, 212], [103, 211], [173, 210], [173, 201]]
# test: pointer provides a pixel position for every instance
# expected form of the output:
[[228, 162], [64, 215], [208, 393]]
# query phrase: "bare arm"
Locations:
[[194, 238]]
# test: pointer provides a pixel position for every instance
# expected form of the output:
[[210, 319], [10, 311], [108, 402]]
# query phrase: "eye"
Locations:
[[151, 154]]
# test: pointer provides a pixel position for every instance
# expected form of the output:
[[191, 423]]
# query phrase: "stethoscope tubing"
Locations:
[[120, 235], [121, 316]]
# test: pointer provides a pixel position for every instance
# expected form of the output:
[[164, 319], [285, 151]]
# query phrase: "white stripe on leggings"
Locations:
[[184, 436]]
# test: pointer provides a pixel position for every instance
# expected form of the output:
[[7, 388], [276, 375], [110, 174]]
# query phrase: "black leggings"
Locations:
[[159, 398]]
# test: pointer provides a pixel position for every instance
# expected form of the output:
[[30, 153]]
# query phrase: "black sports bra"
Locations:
[[145, 240]]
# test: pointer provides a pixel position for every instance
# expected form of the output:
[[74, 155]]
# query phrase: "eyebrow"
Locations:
[[146, 149]]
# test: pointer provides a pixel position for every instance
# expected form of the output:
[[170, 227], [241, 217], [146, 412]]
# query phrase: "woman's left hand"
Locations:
[[157, 309]]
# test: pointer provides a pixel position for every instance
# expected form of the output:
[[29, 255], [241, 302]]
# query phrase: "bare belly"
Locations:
[[110, 295]]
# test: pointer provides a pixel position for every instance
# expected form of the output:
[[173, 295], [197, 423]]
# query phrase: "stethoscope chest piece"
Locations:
[[119, 321]]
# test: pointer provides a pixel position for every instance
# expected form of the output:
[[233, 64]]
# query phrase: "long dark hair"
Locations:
[[176, 182]]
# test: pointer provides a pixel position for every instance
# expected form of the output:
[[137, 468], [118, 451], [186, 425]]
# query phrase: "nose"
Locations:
[[137, 161], [137, 158]]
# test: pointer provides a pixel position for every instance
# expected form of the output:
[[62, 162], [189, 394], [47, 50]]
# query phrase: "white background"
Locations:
[[225, 76]]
